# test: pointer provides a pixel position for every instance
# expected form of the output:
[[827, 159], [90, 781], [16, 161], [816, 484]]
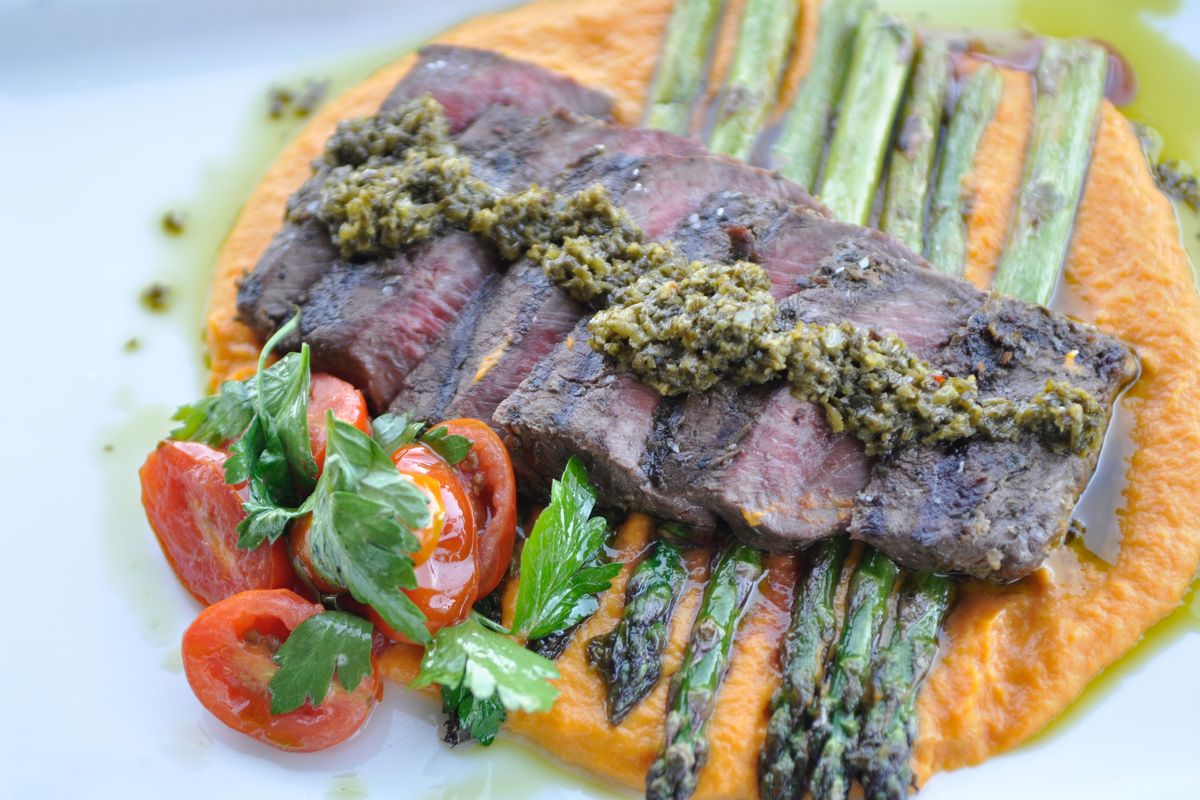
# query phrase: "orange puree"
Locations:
[[1015, 656]]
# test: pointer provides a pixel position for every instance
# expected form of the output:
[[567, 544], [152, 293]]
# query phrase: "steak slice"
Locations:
[[370, 323], [995, 509], [466, 81], [487, 355]]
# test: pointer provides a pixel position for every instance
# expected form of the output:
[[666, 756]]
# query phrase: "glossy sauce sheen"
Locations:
[[1015, 656]]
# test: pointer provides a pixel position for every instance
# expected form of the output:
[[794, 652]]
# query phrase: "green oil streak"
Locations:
[[346, 786], [133, 557], [1184, 620]]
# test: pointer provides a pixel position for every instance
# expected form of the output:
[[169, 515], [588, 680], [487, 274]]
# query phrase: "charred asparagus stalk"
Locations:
[[629, 657], [883, 51], [976, 105], [883, 756], [797, 153], [841, 704], [916, 143], [786, 756], [681, 64], [1071, 78], [765, 37], [694, 687]]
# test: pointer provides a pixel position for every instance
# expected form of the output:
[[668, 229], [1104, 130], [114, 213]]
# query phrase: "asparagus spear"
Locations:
[[694, 687], [764, 41], [976, 105], [916, 145], [879, 69], [797, 152], [1071, 78], [681, 64], [629, 657], [785, 759], [884, 754], [841, 704]]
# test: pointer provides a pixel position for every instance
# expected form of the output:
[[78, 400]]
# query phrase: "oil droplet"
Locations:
[[346, 786]]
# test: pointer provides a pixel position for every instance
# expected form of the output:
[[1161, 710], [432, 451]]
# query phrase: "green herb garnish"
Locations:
[[559, 574], [319, 646], [274, 454], [450, 446], [394, 431], [363, 515], [476, 666]]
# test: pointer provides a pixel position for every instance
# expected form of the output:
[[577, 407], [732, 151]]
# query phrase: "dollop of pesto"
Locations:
[[394, 180], [686, 326]]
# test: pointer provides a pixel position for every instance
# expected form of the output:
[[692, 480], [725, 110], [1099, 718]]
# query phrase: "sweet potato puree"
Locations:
[[1014, 656]]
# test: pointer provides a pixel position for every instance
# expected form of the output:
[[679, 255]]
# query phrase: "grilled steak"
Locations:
[[444, 329], [372, 323], [994, 509], [488, 353], [768, 464]]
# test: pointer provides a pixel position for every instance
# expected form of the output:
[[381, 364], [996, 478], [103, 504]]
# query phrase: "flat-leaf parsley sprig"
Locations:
[[482, 671]]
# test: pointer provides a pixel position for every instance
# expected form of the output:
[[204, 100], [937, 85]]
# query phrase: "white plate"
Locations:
[[109, 115]]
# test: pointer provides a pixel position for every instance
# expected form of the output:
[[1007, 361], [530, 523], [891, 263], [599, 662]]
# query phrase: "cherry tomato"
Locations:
[[427, 538], [447, 583], [227, 657], [487, 474], [327, 393], [195, 514]]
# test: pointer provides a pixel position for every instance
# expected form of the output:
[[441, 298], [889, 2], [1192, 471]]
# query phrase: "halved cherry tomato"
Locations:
[[487, 474], [195, 514], [447, 583], [327, 393], [427, 538], [227, 657]]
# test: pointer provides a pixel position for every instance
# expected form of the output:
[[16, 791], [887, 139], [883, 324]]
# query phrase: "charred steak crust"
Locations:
[[995, 509]]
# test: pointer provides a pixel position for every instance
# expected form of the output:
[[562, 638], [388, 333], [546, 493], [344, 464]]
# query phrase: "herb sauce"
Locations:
[[395, 179]]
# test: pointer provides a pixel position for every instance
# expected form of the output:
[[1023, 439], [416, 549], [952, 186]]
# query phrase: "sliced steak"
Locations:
[[466, 81], [370, 323], [485, 358], [492, 102], [995, 509]]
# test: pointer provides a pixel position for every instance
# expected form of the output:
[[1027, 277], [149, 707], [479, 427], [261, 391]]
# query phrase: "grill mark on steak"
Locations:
[[995, 509]]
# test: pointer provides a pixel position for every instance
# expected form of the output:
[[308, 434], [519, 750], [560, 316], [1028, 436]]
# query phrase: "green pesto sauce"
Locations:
[[393, 180]]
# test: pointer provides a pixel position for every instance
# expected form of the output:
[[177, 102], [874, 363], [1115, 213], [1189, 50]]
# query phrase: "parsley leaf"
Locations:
[[469, 718], [452, 447], [363, 514], [559, 573], [470, 658], [216, 419], [274, 454], [323, 643], [393, 431]]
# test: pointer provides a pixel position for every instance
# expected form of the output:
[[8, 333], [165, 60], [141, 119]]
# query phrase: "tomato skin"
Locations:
[[194, 514], [327, 393], [487, 474], [447, 583], [227, 654]]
